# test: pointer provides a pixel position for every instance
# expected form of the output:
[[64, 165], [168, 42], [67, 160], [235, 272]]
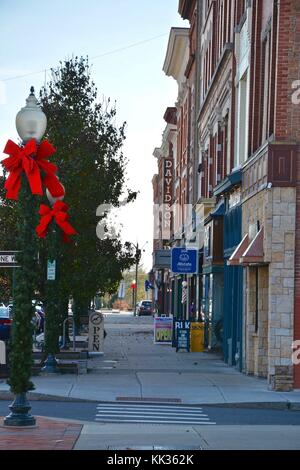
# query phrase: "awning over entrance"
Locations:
[[249, 252], [255, 251], [234, 259]]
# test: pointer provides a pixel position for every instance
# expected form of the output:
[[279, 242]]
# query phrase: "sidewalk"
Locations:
[[47, 435], [132, 367]]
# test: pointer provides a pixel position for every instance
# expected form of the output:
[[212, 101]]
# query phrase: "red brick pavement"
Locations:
[[48, 435]]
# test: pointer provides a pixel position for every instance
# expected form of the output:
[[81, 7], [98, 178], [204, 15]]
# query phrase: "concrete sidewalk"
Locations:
[[135, 368], [59, 434]]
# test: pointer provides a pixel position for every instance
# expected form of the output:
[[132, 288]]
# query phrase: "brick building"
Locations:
[[237, 163]]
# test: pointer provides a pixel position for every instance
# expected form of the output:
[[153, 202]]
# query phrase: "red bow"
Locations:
[[21, 159], [59, 213]]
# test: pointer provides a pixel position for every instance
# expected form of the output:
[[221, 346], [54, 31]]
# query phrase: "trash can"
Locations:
[[197, 337]]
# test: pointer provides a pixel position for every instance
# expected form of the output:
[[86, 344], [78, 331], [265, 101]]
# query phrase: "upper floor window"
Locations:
[[241, 6]]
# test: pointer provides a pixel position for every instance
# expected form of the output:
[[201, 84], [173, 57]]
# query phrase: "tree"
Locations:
[[92, 169]]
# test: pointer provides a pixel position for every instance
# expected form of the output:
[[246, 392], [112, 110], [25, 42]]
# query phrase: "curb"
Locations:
[[45, 397], [294, 406]]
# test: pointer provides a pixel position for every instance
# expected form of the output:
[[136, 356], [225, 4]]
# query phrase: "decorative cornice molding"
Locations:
[[177, 46]]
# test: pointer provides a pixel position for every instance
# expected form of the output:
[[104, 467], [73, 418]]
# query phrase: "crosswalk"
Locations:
[[152, 414]]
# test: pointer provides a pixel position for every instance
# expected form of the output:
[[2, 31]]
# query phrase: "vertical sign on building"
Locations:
[[167, 198]]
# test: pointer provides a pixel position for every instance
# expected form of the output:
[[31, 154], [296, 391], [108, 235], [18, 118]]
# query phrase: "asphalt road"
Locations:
[[85, 411]]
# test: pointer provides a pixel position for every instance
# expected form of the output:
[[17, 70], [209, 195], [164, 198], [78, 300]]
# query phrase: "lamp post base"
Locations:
[[50, 366], [19, 415]]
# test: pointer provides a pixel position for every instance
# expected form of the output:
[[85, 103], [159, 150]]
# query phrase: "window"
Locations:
[[242, 116], [265, 88]]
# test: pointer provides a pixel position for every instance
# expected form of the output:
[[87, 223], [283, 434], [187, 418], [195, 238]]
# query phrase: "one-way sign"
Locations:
[[8, 259]]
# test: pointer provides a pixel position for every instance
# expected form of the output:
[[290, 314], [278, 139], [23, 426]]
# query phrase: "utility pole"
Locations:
[[137, 261]]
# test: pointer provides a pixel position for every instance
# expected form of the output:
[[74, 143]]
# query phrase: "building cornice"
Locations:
[[186, 8], [177, 46]]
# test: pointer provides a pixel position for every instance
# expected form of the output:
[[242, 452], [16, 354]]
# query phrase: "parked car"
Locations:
[[144, 308], [5, 323]]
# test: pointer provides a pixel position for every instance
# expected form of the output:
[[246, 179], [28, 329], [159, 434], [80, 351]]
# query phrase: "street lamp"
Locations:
[[31, 123]]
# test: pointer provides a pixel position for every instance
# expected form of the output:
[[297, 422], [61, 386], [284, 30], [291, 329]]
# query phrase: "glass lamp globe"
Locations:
[[52, 199], [31, 122]]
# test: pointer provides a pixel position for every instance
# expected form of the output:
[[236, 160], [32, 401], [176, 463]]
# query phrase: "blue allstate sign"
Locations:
[[184, 261]]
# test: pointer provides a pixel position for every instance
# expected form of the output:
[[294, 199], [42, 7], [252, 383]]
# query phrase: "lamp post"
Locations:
[[31, 123], [137, 260], [138, 256], [52, 296]]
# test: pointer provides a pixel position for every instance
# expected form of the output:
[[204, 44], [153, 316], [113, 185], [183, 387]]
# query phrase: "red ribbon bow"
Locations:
[[59, 214], [32, 159]]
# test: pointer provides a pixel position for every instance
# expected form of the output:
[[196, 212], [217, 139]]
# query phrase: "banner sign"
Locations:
[[163, 330], [121, 293], [184, 261]]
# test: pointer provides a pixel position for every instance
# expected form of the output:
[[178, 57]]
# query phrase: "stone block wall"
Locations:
[[269, 352]]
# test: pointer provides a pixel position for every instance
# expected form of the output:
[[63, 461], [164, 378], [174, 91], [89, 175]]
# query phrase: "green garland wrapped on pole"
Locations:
[[29, 172]]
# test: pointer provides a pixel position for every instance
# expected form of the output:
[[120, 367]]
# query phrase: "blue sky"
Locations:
[[36, 35]]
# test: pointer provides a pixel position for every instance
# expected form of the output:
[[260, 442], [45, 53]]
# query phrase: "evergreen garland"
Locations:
[[20, 357]]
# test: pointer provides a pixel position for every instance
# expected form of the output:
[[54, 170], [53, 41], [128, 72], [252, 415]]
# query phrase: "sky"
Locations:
[[35, 36]]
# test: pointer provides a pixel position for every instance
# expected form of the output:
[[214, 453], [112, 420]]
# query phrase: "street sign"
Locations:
[[184, 261], [8, 259], [51, 270]]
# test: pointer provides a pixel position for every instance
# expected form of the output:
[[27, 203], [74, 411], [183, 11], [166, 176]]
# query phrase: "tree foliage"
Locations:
[[92, 169]]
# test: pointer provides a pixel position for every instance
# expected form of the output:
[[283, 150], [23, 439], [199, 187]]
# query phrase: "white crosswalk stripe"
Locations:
[[154, 414]]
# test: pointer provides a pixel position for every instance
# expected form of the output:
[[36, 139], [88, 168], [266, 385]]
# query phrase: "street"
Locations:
[[107, 412], [142, 395]]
